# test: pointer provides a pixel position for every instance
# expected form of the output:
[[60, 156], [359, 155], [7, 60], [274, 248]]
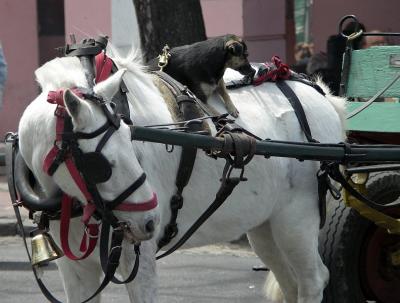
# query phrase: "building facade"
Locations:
[[31, 29]]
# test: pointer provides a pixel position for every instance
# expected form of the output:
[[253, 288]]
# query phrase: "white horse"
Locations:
[[277, 207]]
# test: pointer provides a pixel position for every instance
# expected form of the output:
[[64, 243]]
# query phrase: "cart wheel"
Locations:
[[363, 259]]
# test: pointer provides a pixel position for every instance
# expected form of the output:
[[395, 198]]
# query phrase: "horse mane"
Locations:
[[65, 72], [147, 102]]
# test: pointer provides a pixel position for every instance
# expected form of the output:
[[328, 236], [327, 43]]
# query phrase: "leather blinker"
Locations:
[[95, 167]]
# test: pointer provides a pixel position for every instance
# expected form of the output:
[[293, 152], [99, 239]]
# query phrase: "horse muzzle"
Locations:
[[135, 233]]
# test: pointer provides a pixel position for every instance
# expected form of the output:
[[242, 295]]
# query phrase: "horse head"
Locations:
[[92, 159]]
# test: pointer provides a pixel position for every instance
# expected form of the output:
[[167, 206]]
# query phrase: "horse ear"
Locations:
[[72, 103], [108, 88]]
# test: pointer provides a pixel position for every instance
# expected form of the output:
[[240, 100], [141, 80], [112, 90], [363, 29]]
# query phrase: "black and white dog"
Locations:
[[201, 66]]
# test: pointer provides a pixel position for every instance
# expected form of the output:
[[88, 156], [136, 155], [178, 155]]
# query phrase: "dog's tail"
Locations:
[[272, 289]]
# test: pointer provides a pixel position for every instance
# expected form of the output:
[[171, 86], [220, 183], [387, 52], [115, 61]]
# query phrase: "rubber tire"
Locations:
[[341, 240]]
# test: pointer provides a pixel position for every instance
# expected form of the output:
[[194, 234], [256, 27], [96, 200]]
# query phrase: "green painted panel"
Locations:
[[371, 70], [299, 17], [378, 117]]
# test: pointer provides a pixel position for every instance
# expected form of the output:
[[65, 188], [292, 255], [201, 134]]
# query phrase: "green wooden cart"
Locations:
[[363, 258]]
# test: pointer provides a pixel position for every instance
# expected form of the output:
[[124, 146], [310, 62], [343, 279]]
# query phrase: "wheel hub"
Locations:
[[380, 265]]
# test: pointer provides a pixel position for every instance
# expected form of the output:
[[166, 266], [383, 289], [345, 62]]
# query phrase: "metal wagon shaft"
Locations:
[[340, 152]]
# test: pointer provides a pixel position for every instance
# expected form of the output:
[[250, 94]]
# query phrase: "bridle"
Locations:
[[87, 170]]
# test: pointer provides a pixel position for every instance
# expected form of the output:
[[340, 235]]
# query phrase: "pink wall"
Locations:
[[383, 15], [47, 47], [263, 18], [222, 17], [260, 22], [88, 18], [264, 29], [18, 35]]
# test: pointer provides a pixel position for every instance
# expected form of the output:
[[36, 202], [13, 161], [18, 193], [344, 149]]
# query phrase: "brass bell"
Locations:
[[44, 249]]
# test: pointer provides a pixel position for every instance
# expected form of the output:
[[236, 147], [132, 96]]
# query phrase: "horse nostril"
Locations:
[[149, 226]]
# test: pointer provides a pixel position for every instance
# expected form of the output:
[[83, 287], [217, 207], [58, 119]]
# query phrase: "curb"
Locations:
[[9, 227]]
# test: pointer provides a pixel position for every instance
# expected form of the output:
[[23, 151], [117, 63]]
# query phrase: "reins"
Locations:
[[243, 147]]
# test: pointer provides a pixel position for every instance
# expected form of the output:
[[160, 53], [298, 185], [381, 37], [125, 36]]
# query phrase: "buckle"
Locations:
[[176, 202], [89, 235], [60, 112]]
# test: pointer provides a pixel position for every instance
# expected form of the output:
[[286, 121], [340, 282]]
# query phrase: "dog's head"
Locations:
[[237, 55]]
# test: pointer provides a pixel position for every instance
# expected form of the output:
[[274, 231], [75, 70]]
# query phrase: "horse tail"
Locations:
[[338, 103], [272, 289]]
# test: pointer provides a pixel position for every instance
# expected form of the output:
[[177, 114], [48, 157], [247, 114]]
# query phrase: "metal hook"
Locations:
[[169, 148], [341, 22]]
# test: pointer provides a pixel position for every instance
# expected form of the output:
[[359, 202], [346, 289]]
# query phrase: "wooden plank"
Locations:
[[378, 117], [372, 69]]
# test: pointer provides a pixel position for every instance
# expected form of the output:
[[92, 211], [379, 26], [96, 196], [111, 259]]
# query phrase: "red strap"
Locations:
[[49, 159], [280, 72], [145, 206], [92, 229], [103, 67], [56, 97], [76, 176], [88, 211], [51, 155]]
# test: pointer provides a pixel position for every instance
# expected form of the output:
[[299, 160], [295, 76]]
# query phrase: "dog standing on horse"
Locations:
[[201, 66]]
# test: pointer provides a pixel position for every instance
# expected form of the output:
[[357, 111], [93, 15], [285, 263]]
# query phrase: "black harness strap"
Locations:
[[244, 148], [121, 100], [334, 172], [188, 106], [226, 188], [104, 257], [324, 183], [298, 108], [126, 193]]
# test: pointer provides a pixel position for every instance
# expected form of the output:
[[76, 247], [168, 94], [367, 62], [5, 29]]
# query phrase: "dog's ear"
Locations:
[[235, 48]]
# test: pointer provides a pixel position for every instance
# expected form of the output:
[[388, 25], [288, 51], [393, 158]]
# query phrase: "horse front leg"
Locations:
[[80, 278], [143, 289]]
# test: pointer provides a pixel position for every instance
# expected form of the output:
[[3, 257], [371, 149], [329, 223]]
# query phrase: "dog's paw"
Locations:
[[233, 112]]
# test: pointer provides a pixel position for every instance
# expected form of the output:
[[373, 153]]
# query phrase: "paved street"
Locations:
[[205, 275], [208, 275]]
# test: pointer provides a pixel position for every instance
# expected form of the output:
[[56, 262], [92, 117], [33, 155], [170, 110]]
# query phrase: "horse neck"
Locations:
[[146, 103]]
